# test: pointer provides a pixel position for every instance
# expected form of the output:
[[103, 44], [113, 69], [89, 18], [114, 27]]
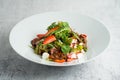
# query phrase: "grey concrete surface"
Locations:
[[104, 67]]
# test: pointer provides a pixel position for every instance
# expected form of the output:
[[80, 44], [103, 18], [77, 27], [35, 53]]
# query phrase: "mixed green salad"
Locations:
[[60, 43]]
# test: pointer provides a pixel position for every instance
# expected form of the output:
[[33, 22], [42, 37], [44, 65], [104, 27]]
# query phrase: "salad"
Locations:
[[60, 43]]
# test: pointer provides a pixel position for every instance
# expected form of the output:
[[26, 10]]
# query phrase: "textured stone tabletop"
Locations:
[[104, 67]]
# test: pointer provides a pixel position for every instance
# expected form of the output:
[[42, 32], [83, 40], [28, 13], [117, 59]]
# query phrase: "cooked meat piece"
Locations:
[[34, 42], [59, 56]]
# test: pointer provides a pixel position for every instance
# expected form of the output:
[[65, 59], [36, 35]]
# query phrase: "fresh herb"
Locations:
[[52, 26], [63, 24], [64, 36], [65, 49]]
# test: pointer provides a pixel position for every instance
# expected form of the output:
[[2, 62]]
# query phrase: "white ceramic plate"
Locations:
[[23, 32]]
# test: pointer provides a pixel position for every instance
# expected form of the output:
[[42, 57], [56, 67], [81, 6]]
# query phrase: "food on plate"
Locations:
[[60, 43]]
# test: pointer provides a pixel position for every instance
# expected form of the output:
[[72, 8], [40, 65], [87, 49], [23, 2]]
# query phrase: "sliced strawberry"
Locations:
[[49, 39]]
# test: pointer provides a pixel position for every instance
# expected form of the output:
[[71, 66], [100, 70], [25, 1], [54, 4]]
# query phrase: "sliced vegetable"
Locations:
[[49, 39]]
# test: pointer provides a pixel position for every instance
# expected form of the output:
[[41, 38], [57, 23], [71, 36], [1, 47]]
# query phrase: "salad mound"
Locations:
[[60, 43]]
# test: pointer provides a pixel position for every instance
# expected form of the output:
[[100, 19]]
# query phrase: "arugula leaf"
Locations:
[[52, 26], [65, 49], [63, 24], [61, 29], [64, 36]]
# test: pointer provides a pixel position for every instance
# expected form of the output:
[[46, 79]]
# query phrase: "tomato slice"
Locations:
[[49, 39]]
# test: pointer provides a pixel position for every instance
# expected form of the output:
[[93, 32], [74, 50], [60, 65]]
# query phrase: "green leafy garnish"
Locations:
[[64, 37], [52, 26], [63, 24], [65, 49]]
